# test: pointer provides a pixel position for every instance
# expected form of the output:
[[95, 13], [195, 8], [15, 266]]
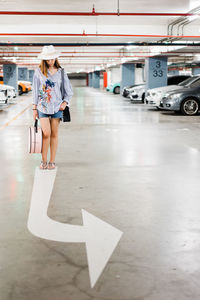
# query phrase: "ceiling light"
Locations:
[[130, 47]]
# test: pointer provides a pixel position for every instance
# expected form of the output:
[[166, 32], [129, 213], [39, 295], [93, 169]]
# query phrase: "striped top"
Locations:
[[47, 91]]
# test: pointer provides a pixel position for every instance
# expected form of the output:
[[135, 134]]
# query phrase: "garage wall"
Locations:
[[115, 75], [78, 82], [139, 75]]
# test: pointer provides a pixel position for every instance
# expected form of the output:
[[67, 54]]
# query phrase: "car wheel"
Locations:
[[143, 97], [190, 107], [116, 90], [20, 90]]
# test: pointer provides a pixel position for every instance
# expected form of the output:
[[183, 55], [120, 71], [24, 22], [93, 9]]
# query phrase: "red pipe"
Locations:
[[103, 34], [75, 52], [93, 13], [83, 56]]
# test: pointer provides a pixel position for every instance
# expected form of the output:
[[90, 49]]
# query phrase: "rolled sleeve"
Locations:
[[68, 92], [35, 88]]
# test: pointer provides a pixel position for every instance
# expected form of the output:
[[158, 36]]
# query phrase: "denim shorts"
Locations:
[[58, 114]]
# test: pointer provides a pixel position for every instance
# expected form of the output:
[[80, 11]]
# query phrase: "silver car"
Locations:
[[154, 96], [138, 93], [185, 100]]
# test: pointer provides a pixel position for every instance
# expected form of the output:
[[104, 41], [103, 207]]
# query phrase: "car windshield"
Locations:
[[188, 81]]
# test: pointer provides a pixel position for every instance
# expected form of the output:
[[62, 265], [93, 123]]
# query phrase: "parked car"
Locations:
[[24, 86], [3, 98], [114, 88], [185, 100], [139, 93], [1, 79], [154, 96], [9, 91], [128, 89]]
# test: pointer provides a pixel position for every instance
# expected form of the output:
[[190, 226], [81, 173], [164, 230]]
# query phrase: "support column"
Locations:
[[156, 71], [96, 79], [90, 79], [10, 75], [127, 75], [105, 79], [30, 75], [87, 79], [22, 74]]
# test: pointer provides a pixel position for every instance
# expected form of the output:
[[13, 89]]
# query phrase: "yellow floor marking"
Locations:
[[14, 118]]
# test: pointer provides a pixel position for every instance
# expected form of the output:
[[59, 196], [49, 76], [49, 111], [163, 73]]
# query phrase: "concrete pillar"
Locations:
[[87, 79], [30, 75], [22, 74], [96, 79], [173, 72], [127, 75], [10, 75], [156, 71], [196, 70], [90, 79], [105, 79]]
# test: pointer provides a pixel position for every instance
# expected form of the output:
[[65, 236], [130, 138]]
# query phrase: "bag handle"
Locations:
[[36, 125], [62, 83]]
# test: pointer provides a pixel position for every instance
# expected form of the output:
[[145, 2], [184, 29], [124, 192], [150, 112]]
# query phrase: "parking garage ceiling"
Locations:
[[99, 34]]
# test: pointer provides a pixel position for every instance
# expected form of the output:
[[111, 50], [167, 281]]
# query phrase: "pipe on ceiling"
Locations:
[[102, 34], [139, 44], [91, 52], [93, 13]]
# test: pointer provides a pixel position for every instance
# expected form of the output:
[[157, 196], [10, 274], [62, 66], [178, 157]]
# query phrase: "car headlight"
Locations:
[[165, 95], [174, 96]]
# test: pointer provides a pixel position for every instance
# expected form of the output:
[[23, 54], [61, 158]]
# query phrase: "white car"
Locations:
[[138, 93], [10, 92], [154, 96], [3, 98], [7, 95]]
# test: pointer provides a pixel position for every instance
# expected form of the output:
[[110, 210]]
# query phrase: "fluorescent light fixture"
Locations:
[[130, 47]]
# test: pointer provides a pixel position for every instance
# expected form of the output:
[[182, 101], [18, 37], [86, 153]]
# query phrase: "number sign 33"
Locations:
[[157, 72]]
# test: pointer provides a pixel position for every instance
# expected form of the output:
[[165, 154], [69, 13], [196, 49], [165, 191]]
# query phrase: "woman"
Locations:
[[48, 104]]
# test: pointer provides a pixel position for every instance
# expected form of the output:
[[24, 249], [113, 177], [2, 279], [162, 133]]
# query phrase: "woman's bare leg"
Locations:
[[46, 132], [54, 138]]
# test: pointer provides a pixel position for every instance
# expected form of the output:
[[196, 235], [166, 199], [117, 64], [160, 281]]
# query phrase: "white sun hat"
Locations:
[[48, 52]]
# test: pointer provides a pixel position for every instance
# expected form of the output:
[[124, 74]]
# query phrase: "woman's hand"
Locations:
[[63, 105], [35, 114]]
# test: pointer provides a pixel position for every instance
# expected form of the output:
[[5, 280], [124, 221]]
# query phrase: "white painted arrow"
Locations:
[[100, 237]]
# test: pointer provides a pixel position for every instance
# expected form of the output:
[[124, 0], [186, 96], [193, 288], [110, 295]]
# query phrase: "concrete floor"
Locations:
[[133, 167]]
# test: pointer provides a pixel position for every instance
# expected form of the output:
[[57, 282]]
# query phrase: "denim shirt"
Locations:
[[47, 91]]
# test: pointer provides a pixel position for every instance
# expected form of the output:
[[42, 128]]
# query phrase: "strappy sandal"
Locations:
[[43, 165], [51, 165]]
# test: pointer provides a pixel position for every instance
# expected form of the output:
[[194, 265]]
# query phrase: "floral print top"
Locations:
[[47, 91]]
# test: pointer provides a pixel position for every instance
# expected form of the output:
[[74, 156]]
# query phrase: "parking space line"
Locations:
[[14, 118]]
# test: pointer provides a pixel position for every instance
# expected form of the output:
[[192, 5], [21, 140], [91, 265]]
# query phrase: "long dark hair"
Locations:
[[44, 66]]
